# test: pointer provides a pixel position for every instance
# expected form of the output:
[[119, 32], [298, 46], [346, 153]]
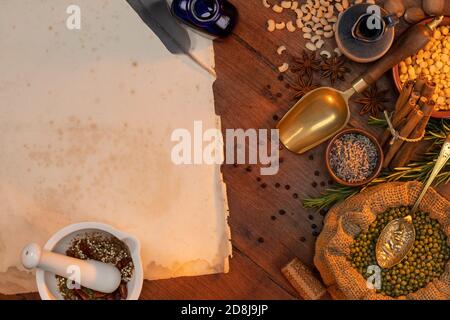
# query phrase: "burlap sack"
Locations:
[[348, 219]]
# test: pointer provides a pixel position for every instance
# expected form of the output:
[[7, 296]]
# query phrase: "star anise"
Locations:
[[372, 100], [334, 68], [303, 86], [306, 64]]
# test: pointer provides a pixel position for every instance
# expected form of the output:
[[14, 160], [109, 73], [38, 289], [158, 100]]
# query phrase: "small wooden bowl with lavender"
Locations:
[[354, 157]]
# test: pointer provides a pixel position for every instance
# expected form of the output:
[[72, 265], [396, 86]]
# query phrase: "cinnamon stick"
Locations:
[[400, 104], [406, 152], [420, 82], [403, 112], [422, 102], [428, 89], [404, 95], [411, 122]]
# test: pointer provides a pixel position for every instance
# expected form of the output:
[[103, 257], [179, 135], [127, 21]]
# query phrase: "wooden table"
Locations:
[[268, 223]]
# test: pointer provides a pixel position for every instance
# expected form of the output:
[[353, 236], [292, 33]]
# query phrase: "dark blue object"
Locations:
[[214, 17]]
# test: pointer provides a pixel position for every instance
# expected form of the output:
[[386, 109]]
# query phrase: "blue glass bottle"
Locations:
[[216, 18]]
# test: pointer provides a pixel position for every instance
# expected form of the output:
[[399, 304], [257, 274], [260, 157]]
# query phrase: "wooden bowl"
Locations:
[[398, 83], [377, 169]]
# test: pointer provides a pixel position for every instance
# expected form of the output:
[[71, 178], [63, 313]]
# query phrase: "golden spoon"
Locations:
[[397, 238]]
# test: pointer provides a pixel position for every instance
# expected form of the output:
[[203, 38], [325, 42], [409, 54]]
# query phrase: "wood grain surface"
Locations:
[[268, 223]]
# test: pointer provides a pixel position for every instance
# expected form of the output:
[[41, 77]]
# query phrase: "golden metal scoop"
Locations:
[[325, 111], [397, 238]]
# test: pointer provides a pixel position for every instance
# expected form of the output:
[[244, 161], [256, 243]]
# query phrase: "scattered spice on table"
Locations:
[[353, 157], [334, 69], [303, 86], [372, 100], [306, 64], [99, 247]]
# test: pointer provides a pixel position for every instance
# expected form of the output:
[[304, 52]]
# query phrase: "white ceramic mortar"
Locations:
[[60, 242]]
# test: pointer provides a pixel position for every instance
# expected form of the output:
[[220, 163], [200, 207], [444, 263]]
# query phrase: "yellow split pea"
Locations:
[[433, 62]]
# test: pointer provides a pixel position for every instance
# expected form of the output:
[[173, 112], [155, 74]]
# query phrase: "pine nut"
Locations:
[[286, 4], [338, 52], [277, 8], [310, 46], [290, 26], [315, 38], [319, 44], [325, 53], [329, 34], [281, 50], [280, 26], [283, 68], [307, 17], [270, 25]]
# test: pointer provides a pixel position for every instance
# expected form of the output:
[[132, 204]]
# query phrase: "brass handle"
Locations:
[[440, 163]]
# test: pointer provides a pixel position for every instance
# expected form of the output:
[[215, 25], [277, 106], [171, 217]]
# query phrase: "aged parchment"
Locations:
[[86, 119]]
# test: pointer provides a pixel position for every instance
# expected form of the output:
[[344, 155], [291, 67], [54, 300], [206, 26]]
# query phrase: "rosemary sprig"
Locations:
[[330, 197], [376, 122], [437, 131]]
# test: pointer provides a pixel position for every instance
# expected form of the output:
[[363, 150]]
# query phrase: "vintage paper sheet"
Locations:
[[86, 120]]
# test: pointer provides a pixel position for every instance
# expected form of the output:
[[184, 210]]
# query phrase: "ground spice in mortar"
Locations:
[[101, 248], [353, 157]]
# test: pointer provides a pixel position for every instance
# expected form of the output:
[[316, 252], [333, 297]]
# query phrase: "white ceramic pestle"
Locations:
[[93, 274]]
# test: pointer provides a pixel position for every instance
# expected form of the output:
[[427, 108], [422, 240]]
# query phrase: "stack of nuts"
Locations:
[[433, 62], [315, 18]]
